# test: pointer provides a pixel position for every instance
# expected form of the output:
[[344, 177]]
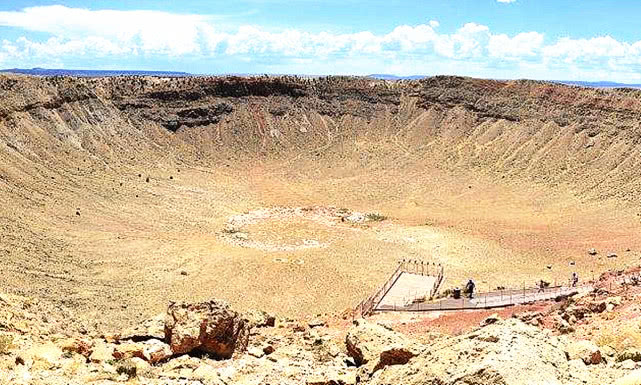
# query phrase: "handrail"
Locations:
[[366, 307]]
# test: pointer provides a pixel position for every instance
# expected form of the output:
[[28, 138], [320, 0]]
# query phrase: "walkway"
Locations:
[[407, 287], [485, 300]]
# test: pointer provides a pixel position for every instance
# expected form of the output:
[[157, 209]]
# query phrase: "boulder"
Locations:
[[315, 323], [74, 345], [47, 355], [587, 351], [211, 327], [374, 346], [129, 350], [102, 352], [523, 354], [155, 351], [592, 251], [208, 374], [259, 319]]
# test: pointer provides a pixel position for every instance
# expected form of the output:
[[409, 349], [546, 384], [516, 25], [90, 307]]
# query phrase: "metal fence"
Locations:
[[489, 300], [368, 305]]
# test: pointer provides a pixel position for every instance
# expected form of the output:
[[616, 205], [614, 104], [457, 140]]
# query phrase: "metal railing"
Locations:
[[368, 305], [490, 299]]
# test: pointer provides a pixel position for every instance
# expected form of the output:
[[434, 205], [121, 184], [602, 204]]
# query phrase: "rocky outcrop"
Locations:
[[211, 327], [506, 352], [374, 347]]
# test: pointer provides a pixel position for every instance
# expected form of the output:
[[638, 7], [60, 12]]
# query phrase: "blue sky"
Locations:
[[538, 39]]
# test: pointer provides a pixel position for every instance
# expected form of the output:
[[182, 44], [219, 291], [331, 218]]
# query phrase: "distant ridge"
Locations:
[[602, 84], [599, 84], [91, 73], [396, 77]]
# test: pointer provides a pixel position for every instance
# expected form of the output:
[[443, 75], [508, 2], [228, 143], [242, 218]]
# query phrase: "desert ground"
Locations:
[[112, 211]]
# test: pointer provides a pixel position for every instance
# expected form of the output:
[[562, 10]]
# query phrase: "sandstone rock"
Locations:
[[141, 365], [607, 351], [633, 378], [74, 345], [592, 251], [628, 365], [183, 362], [586, 351], [129, 350], [616, 301], [316, 322], [268, 349], [155, 351], [523, 354], [374, 346], [208, 374], [629, 354], [148, 329], [102, 352], [48, 354], [333, 378], [259, 319], [255, 352], [210, 327]]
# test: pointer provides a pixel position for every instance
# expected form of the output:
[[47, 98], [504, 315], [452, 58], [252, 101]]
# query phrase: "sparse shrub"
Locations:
[[127, 367], [6, 343], [375, 217]]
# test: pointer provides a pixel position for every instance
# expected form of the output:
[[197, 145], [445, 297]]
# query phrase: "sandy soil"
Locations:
[[83, 227]]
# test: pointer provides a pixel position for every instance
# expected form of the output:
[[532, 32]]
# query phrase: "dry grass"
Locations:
[[619, 337], [6, 343]]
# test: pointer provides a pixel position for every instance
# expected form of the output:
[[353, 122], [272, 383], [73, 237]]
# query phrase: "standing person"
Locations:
[[575, 279], [470, 287]]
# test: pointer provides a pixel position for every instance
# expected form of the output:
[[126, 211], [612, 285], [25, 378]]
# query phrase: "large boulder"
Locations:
[[587, 351], [374, 346], [211, 327], [506, 352]]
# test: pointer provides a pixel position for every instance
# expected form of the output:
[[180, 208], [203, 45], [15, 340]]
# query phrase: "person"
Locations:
[[541, 286], [575, 279], [470, 287]]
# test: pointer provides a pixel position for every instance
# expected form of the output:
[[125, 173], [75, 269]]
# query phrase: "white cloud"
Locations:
[[524, 44], [473, 49], [506, 1]]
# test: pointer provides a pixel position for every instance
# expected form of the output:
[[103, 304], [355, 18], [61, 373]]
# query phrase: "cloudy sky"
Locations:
[[538, 39]]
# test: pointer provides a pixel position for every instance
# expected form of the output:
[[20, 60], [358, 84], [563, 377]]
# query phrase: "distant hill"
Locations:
[[90, 73], [602, 84], [396, 77]]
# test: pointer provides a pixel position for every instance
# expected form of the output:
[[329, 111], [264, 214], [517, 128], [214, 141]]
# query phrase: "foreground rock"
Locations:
[[374, 347], [587, 351], [211, 327], [506, 352]]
